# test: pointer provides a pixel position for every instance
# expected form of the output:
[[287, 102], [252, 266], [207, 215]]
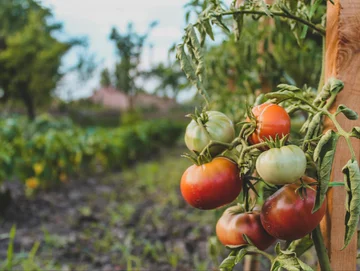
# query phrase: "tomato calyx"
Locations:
[[278, 142], [200, 117], [243, 209], [302, 189], [197, 158]]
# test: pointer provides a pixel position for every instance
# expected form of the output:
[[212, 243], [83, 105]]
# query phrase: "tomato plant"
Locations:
[[234, 223], [272, 121], [295, 210], [207, 126], [282, 165], [212, 184], [287, 214]]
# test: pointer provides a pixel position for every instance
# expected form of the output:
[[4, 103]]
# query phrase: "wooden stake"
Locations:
[[343, 62]]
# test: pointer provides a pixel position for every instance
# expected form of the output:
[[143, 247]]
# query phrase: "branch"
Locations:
[[317, 28]]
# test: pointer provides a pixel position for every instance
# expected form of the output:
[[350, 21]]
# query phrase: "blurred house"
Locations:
[[112, 98]]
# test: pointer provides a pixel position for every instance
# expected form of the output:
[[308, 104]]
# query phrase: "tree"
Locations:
[[129, 47], [30, 56], [105, 78], [171, 79]]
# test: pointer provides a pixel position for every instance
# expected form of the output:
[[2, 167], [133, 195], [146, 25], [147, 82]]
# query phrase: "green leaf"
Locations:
[[228, 263], [248, 240], [10, 250], [300, 246], [280, 96], [208, 29], [332, 87], [352, 185], [218, 21], [323, 140], [312, 127], [325, 160], [240, 255], [349, 113], [238, 25], [355, 132], [282, 87], [335, 85], [265, 8], [288, 260]]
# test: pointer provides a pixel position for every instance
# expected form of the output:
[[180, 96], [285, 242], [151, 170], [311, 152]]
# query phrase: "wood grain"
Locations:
[[343, 62]]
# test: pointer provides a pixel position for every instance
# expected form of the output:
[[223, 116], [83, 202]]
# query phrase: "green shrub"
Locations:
[[48, 151]]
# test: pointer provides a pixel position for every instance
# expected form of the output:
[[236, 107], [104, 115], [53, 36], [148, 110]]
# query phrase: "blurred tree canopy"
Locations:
[[129, 47], [171, 79], [105, 78], [30, 55]]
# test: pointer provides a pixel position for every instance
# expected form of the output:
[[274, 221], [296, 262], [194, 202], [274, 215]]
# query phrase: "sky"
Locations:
[[94, 19]]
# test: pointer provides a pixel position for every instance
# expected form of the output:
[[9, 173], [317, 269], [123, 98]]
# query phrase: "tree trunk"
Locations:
[[28, 102]]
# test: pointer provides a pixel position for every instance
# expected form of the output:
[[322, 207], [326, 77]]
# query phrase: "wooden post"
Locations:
[[343, 62]]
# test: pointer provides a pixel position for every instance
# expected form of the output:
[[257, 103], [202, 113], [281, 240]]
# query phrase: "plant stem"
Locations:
[[330, 101], [319, 29], [342, 132], [322, 76], [332, 184], [267, 255], [217, 143], [321, 250]]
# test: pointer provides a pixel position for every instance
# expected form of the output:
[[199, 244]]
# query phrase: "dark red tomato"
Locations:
[[211, 185], [271, 120], [232, 225], [285, 215]]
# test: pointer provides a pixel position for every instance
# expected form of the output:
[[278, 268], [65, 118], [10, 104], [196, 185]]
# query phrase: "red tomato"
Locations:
[[211, 185], [271, 120], [285, 215], [232, 225]]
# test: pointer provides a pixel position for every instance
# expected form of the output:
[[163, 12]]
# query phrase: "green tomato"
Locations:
[[283, 165], [211, 125]]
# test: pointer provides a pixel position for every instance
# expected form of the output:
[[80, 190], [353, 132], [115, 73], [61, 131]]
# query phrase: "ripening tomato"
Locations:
[[287, 216], [217, 126], [283, 165], [211, 185], [234, 223], [271, 120]]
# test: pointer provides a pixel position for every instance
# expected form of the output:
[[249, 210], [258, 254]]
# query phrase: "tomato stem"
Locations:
[[258, 251], [341, 132], [320, 248], [318, 29]]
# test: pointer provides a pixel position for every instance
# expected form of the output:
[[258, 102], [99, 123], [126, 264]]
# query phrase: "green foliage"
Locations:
[[105, 78], [352, 185], [30, 56], [259, 53], [47, 151], [130, 117], [23, 261], [288, 260], [129, 47], [171, 79], [324, 154]]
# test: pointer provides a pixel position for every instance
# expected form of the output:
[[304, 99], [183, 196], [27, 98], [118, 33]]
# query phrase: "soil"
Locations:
[[112, 222]]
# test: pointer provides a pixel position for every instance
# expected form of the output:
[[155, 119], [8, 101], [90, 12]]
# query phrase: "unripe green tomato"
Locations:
[[216, 126], [283, 165]]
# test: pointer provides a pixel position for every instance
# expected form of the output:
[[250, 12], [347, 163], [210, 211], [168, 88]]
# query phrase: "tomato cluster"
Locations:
[[212, 183]]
